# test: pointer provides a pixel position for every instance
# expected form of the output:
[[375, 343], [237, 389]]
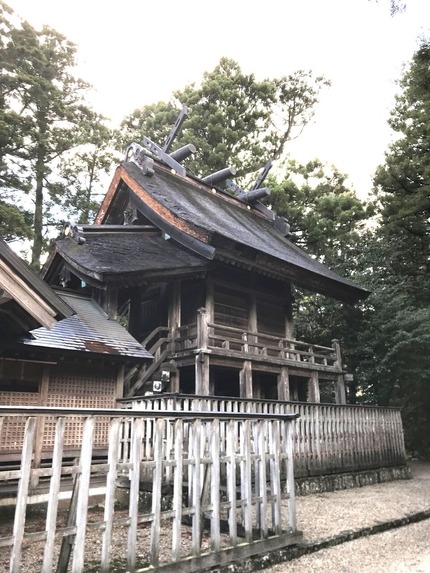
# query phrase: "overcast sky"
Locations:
[[137, 52]]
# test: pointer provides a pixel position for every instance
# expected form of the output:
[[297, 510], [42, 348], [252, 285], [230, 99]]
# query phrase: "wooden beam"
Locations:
[[26, 297]]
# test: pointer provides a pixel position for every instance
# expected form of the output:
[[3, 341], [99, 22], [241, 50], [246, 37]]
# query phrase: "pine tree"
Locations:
[[44, 114], [233, 119]]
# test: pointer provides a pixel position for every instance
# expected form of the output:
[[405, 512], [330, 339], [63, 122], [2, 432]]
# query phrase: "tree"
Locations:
[[14, 222], [82, 174], [403, 182], [326, 217], [43, 107], [396, 337], [328, 221], [233, 118]]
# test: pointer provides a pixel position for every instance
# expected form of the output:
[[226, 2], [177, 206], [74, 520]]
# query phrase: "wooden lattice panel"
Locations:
[[72, 390], [13, 429], [19, 398]]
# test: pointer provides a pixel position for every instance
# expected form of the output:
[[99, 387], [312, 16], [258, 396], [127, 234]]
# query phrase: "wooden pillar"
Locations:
[[202, 374], [211, 382], [175, 380], [210, 298], [119, 384], [174, 314], [340, 382], [202, 358], [134, 312], [289, 322], [111, 303], [284, 385], [252, 316], [245, 380], [252, 321], [314, 388], [340, 390]]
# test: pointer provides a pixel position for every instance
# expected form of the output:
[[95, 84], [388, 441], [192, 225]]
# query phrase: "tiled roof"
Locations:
[[89, 331]]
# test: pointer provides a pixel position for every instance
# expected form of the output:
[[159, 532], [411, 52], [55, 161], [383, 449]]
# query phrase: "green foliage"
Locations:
[[395, 338], [327, 218], [43, 112], [14, 223], [233, 118], [329, 222], [403, 182], [82, 174]]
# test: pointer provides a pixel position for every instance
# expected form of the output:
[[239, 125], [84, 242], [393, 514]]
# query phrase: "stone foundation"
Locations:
[[319, 484]]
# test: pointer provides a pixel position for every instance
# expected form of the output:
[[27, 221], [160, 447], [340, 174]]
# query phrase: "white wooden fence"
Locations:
[[326, 438], [231, 492]]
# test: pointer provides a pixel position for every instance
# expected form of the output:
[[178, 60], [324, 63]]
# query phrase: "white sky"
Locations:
[[137, 52]]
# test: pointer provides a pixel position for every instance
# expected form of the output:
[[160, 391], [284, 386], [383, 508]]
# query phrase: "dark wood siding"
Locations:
[[231, 307], [271, 316]]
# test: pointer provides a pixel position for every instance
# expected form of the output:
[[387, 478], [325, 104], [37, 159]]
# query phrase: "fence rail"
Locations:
[[230, 494], [326, 438]]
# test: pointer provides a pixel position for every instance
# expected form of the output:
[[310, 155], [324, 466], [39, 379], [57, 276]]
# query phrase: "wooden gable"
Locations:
[[26, 302]]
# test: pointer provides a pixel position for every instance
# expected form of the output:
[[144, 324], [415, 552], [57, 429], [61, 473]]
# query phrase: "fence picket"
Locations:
[[113, 454], [84, 486], [54, 488], [21, 501]]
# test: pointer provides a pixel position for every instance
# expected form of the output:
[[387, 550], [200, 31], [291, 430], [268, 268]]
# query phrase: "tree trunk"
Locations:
[[38, 211]]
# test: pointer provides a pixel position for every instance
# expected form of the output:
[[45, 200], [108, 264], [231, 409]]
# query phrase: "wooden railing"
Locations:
[[327, 438], [231, 491], [227, 339]]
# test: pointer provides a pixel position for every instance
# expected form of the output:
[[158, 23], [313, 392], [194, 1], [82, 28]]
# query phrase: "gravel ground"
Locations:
[[322, 516], [402, 550]]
